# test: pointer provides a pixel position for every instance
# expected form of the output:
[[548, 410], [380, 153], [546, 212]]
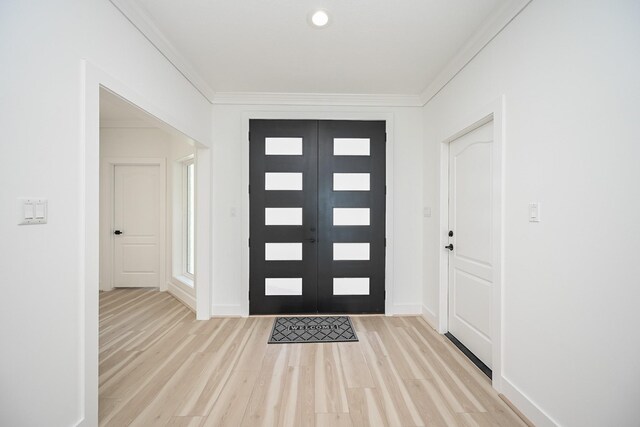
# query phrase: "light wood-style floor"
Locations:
[[159, 366]]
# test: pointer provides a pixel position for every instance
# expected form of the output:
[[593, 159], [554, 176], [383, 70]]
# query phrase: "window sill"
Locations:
[[184, 280]]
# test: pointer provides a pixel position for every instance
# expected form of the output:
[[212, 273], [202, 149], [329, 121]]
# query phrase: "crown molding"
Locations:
[[473, 47], [141, 20], [329, 99]]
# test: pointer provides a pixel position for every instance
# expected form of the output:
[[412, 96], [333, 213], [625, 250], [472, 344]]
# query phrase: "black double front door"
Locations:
[[317, 216]]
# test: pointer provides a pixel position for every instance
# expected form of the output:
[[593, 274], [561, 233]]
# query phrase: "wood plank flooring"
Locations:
[[161, 367]]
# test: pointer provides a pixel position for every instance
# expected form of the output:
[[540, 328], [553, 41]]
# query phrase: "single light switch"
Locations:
[[41, 209], [28, 209], [534, 212], [426, 212]]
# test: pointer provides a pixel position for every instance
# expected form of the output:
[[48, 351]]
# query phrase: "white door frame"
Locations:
[[492, 112], [107, 175], [316, 115], [92, 79]]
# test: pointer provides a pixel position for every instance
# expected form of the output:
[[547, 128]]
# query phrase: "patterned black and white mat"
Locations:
[[312, 329]]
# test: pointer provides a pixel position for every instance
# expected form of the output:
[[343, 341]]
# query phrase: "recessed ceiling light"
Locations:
[[320, 18]]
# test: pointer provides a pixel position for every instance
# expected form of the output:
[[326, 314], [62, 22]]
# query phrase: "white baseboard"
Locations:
[[226, 310], [105, 287], [406, 309], [525, 405], [430, 317], [186, 298]]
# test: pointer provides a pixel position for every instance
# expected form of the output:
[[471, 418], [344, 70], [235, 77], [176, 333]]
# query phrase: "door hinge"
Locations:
[[249, 241], [385, 190], [385, 242], [385, 137], [249, 135], [385, 294], [249, 188]]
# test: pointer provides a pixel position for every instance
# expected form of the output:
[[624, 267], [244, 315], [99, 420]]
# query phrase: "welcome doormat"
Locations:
[[312, 330]]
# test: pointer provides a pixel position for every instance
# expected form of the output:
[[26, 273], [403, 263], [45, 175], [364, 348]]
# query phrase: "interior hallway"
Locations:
[[159, 366]]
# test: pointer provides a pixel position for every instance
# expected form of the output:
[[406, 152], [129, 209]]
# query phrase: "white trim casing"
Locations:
[[204, 233], [92, 79], [390, 308], [107, 170], [492, 112]]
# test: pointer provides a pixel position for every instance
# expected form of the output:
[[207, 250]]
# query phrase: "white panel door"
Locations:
[[137, 225], [470, 262]]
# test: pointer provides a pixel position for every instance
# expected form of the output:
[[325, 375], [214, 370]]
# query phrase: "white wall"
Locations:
[[569, 71], [42, 44], [227, 296]]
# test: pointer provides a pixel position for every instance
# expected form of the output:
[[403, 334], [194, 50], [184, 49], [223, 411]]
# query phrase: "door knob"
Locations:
[[117, 232], [449, 246]]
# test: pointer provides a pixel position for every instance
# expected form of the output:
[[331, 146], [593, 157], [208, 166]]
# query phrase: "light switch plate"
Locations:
[[534, 212], [33, 211], [426, 212]]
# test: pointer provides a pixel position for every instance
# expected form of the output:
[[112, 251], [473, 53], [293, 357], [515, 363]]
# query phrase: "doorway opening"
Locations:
[[147, 202], [317, 216]]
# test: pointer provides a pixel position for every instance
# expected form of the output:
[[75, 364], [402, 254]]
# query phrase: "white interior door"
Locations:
[[471, 268], [137, 225]]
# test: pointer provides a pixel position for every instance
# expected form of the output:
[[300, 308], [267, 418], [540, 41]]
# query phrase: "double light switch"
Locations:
[[33, 211]]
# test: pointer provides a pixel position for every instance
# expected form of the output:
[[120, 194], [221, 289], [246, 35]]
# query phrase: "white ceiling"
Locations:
[[115, 109], [370, 46], [117, 112]]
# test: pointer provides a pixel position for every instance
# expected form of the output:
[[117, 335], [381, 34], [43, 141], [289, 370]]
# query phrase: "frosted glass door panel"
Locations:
[[351, 147], [283, 146], [351, 216], [351, 182], [283, 251], [282, 216], [351, 251], [351, 286], [283, 181], [283, 286]]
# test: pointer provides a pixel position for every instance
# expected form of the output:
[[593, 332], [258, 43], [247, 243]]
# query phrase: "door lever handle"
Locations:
[[117, 232], [449, 246]]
